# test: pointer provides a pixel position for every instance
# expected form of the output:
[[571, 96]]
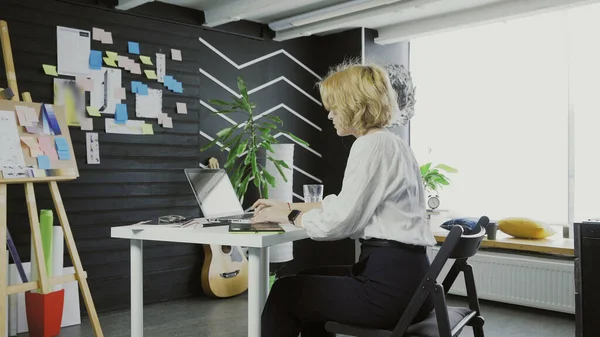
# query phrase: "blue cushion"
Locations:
[[469, 225]]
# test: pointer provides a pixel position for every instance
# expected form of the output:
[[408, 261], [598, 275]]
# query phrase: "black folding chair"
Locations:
[[443, 321]]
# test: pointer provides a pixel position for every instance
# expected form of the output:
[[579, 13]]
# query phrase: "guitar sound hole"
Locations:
[[226, 249]]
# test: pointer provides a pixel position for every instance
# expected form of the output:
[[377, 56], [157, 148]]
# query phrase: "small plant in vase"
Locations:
[[249, 137], [434, 180]]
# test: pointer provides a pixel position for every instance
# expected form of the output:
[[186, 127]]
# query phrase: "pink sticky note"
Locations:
[[47, 146], [107, 38], [168, 123], [136, 69], [161, 117], [31, 115], [123, 61], [87, 124], [21, 114], [97, 34], [120, 93]]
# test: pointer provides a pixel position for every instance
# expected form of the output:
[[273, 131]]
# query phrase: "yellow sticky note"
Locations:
[[50, 70], [150, 74], [112, 55], [147, 129], [146, 60], [110, 62], [93, 111]]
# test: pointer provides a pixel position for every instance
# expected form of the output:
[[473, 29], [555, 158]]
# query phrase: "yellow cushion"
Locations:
[[524, 228]]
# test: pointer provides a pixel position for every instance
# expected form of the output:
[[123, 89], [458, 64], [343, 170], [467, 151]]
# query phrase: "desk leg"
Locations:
[[137, 288], [258, 287]]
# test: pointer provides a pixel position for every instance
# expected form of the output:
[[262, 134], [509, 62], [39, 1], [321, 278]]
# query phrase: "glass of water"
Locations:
[[313, 193]]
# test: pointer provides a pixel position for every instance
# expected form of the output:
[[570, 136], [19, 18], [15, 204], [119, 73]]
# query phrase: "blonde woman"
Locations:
[[382, 203]]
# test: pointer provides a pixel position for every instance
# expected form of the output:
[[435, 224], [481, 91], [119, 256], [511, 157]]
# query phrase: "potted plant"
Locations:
[[434, 180], [249, 138]]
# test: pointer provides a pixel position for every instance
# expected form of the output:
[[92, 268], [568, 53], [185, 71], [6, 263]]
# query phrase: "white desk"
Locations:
[[258, 261]]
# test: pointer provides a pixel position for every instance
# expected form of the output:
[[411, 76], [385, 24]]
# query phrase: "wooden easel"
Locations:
[[44, 284]]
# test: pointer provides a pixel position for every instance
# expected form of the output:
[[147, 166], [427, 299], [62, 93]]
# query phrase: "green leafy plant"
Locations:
[[433, 178], [244, 142]]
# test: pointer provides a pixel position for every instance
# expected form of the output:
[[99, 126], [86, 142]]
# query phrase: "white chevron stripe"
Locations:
[[297, 196], [208, 106], [295, 167], [292, 139], [249, 63], [250, 92]]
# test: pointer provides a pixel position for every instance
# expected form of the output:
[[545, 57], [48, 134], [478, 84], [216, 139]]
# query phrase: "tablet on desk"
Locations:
[[263, 227]]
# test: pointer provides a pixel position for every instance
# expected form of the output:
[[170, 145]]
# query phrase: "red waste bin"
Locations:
[[44, 313]]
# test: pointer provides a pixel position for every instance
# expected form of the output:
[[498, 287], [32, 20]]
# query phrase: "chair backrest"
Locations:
[[456, 246]]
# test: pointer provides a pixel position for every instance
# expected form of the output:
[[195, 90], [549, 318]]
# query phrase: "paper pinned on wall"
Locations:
[[95, 60], [162, 117], [147, 129], [112, 55], [73, 46], [130, 127], [150, 74], [105, 81], [142, 89], [123, 61], [133, 47], [181, 108], [49, 70], [160, 67], [135, 68], [168, 123], [93, 111], [150, 105], [87, 124], [68, 94], [97, 33], [93, 148], [176, 54], [120, 93], [110, 62]]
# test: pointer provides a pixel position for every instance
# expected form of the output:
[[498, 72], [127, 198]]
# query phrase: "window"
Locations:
[[493, 101]]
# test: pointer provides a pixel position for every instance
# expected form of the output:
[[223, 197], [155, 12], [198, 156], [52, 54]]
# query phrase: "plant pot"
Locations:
[[44, 313]]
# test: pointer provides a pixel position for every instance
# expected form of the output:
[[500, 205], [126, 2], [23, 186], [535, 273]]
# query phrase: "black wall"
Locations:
[[141, 177]]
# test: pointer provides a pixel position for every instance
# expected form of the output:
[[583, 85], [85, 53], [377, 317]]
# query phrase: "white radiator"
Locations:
[[542, 283]]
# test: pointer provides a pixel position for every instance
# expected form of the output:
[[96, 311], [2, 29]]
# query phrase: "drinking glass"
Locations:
[[313, 193]]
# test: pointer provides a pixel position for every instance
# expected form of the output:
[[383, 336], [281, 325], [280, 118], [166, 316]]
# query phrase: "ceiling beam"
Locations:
[[235, 11], [129, 4], [348, 21], [491, 13]]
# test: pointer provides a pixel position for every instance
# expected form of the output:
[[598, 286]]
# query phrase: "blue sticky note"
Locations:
[[142, 89], [134, 86], [178, 88], [64, 155], [95, 59], [43, 162], [134, 47], [61, 144], [121, 114]]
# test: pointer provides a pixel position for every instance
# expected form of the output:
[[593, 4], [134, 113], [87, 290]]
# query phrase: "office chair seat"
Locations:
[[426, 328]]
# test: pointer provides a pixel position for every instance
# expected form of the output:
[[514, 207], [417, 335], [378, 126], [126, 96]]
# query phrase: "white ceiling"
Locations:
[[395, 20]]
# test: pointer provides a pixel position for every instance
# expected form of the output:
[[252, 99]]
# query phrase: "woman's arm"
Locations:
[[306, 206]]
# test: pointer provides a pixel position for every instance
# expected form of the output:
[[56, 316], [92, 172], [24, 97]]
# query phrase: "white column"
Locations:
[[258, 287], [137, 288]]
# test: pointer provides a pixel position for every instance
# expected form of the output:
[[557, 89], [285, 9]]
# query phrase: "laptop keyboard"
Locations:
[[241, 216]]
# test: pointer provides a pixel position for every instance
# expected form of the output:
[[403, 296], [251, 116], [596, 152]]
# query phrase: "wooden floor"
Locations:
[[228, 318]]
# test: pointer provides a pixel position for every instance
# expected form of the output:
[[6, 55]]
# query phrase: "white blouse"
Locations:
[[382, 196]]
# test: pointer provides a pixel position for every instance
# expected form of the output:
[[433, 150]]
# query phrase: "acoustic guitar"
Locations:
[[225, 268]]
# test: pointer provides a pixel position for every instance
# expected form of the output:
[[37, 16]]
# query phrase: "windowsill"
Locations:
[[555, 244]]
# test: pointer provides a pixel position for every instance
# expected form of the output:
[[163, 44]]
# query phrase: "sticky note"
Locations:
[[167, 123], [142, 89], [22, 118], [112, 55], [107, 38], [64, 155], [162, 117], [87, 124], [147, 129], [110, 62], [146, 60], [135, 68], [119, 93], [182, 108], [134, 47], [134, 86], [47, 147], [97, 34], [61, 144], [50, 70], [92, 111], [151, 74], [121, 114], [95, 59], [123, 61], [178, 88], [43, 162], [176, 54]]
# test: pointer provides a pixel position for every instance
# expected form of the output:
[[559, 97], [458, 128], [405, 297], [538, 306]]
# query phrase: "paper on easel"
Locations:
[[11, 154], [93, 148], [161, 67], [73, 46]]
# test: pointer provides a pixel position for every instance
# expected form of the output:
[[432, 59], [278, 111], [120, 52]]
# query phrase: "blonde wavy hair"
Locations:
[[361, 94]]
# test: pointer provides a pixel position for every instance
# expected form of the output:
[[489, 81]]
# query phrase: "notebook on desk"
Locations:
[[263, 228]]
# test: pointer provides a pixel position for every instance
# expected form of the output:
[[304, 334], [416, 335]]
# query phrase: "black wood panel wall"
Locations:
[[141, 177]]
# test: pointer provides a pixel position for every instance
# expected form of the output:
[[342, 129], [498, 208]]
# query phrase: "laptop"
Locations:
[[216, 196]]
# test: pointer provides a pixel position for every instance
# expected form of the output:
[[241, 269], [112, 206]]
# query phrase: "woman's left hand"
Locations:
[[272, 214]]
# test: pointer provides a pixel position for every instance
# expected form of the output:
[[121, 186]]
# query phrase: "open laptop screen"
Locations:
[[214, 192]]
